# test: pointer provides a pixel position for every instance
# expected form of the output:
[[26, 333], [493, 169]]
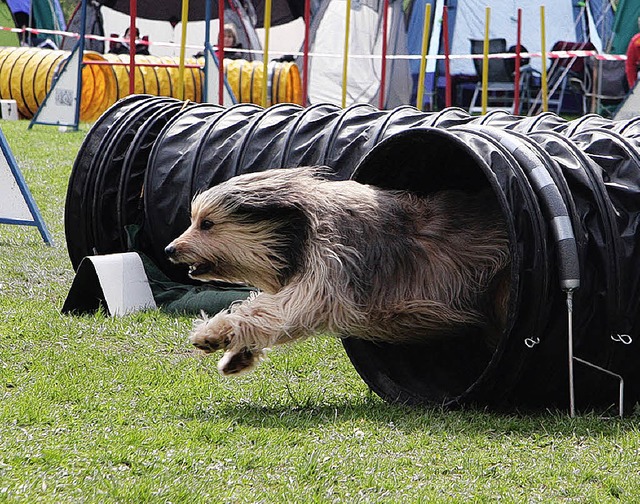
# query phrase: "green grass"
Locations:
[[99, 409]]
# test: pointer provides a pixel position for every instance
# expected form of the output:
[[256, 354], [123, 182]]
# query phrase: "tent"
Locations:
[[94, 25], [282, 11], [625, 25], [566, 20], [164, 30], [326, 40], [43, 14], [602, 17], [162, 26], [7, 38], [161, 22]]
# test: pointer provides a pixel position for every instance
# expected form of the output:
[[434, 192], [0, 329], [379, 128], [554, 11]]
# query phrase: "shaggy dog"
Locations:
[[344, 258]]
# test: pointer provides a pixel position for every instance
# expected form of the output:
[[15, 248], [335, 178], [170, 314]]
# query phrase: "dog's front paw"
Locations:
[[236, 362], [211, 334]]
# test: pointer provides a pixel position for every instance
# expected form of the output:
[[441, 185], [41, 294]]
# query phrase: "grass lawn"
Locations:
[[97, 409]]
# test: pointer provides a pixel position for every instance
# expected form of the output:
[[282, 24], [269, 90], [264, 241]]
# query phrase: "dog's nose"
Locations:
[[170, 250]]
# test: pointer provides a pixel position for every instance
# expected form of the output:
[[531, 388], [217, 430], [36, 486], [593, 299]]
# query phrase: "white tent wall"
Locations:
[[326, 68], [469, 23], [283, 39], [398, 86], [365, 48]]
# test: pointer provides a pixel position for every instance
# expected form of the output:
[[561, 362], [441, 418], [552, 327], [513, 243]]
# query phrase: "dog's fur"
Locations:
[[343, 258]]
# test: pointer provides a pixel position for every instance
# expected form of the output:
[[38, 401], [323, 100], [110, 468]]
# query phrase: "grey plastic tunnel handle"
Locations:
[[551, 200]]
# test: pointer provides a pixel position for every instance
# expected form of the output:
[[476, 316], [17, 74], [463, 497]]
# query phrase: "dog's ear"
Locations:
[[272, 208], [291, 225], [288, 218]]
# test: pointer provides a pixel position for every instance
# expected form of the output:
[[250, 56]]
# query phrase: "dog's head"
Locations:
[[250, 229]]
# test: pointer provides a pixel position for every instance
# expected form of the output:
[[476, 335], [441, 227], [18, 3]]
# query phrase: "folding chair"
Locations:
[[604, 86], [561, 72], [500, 88]]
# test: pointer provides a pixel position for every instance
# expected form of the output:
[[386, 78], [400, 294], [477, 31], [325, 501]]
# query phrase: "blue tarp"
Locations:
[[19, 5]]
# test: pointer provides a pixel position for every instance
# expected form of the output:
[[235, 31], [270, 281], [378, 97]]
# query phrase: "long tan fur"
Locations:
[[344, 258]]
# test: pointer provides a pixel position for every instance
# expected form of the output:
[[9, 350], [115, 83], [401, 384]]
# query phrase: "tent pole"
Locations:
[[345, 56], [516, 78], [447, 63], [383, 69], [423, 60], [133, 14], [305, 55], [220, 52]]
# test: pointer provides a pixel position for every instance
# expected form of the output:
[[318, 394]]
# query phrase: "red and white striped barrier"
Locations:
[[510, 55]]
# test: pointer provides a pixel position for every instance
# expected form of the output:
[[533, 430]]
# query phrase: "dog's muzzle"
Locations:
[[195, 269], [170, 251]]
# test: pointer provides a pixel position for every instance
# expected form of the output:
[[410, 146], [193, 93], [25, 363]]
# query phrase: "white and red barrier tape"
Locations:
[[509, 55]]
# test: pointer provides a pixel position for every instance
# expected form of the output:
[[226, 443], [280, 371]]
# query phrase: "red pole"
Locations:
[[516, 78], [305, 52], [133, 14], [383, 69], [447, 65], [220, 52]]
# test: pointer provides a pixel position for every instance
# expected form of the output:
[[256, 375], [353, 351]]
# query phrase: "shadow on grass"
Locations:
[[411, 419]]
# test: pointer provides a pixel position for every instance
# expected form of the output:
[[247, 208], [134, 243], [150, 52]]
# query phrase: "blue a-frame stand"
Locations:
[[21, 185]]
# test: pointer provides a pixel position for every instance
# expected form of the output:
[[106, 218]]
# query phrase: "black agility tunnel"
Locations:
[[568, 189]]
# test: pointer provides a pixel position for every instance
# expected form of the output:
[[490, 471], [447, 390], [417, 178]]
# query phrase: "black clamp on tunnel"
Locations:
[[551, 202]]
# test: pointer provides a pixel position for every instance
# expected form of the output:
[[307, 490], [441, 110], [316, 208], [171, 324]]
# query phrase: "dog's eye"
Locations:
[[206, 224]]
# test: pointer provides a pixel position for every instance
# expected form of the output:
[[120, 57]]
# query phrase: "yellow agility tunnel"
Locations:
[[27, 73], [246, 77], [157, 80]]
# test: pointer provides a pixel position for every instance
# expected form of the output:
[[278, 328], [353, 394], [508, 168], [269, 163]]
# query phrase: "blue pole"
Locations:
[[83, 29]]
